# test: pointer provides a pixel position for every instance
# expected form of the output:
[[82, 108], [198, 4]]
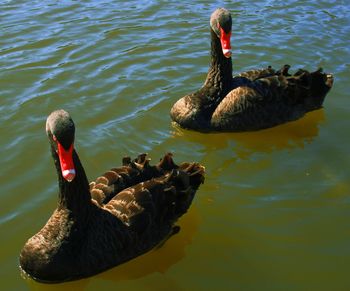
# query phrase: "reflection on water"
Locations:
[[286, 136], [158, 260], [274, 211]]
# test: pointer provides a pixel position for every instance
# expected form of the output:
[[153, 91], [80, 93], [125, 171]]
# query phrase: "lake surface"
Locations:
[[274, 212]]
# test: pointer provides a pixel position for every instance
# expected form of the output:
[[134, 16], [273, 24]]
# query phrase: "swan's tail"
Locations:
[[138, 170]]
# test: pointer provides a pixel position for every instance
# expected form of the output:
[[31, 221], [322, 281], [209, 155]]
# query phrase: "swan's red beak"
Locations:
[[66, 161], [225, 39]]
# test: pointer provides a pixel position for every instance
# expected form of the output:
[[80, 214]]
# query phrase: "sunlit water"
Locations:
[[274, 212]]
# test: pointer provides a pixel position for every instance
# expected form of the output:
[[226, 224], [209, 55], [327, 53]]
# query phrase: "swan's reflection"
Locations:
[[286, 136], [158, 260]]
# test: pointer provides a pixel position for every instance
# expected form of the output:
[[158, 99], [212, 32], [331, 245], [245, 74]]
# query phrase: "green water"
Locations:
[[274, 212]]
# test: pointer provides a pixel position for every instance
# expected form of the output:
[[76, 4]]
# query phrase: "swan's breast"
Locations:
[[182, 111]]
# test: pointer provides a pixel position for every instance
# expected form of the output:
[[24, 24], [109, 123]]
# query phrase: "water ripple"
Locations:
[[118, 66]]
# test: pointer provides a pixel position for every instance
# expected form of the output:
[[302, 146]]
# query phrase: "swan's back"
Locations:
[[258, 103]]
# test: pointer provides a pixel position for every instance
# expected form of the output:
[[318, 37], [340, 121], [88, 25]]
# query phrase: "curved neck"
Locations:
[[195, 110], [219, 77], [74, 195]]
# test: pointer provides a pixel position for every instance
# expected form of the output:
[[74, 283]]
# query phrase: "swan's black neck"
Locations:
[[74, 195], [195, 110], [217, 84], [219, 76]]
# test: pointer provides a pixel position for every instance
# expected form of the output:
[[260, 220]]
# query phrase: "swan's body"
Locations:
[[123, 214], [252, 100]]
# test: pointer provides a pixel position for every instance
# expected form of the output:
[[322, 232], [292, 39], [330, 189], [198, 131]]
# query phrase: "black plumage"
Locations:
[[124, 213], [252, 100]]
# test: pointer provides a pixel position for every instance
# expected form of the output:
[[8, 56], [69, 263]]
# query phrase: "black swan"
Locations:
[[123, 214], [253, 100]]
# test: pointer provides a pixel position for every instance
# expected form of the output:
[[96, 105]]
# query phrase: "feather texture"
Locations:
[[252, 100], [122, 214]]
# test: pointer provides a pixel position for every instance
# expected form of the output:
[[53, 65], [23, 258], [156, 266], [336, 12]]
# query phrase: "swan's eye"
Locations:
[[54, 138]]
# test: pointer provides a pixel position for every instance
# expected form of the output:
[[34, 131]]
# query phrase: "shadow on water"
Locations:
[[158, 260], [290, 135]]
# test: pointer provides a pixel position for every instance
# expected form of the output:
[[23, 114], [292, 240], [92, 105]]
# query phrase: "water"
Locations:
[[274, 212]]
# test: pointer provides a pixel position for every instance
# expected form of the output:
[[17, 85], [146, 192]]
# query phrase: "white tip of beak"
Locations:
[[69, 175], [227, 53]]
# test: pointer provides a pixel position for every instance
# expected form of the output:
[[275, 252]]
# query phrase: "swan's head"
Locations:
[[60, 130], [221, 24]]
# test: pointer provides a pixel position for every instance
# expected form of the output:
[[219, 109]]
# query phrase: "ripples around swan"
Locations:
[[274, 210]]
